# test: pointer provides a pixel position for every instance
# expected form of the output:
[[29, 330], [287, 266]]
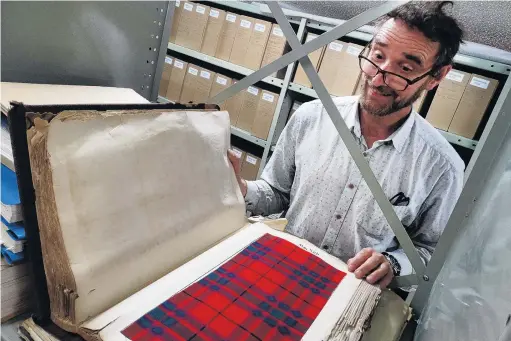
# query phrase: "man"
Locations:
[[312, 177]]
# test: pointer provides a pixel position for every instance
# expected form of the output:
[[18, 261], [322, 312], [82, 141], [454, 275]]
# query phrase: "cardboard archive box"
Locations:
[[275, 46], [178, 9], [227, 35], [250, 167], [473, 104], [176, 80], [241, 40], [257, 44], [190, 83], [264, 114], [339, 69], [165, 76], [248, 108], [233, 106], [203, 88], [446, 100], [216, 19], [220, 83], [240, 154], [192, 24], [418, 102], [315, 57]]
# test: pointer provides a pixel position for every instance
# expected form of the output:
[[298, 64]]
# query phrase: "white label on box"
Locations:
[[205, 74], [230, 17], [278, 32], [480, 83], [237, 152], [214, 13], [200, 9], [251, 159], [193, 71], [267, 97], [179, 64], [259, 27], [245, 23], [355, 51], [455, 76], [178, 3], [221, 80], [335, 46], [253, 91], [168, 60], [188, 7]]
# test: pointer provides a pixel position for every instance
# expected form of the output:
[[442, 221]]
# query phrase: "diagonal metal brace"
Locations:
[[349, 141], [303, 50]]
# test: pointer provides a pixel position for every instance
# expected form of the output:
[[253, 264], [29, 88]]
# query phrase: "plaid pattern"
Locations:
[[272, 290]]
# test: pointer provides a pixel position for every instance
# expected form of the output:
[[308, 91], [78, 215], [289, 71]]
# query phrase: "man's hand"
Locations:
[[236, 164], [373, 266]]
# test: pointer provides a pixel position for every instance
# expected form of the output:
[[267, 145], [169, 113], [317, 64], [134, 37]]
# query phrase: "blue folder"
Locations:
[[10, 193], [11, 257], [16, 230]]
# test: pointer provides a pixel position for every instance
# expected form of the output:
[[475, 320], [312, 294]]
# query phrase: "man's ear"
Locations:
[[434, 81]]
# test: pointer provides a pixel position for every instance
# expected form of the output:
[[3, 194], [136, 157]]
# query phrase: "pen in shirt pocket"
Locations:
[[400, 199]]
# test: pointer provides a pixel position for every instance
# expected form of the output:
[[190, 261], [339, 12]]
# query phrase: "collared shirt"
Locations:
[[312, 177]]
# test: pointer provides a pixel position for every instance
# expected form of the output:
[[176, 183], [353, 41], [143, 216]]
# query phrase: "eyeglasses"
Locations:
[[393, 80]]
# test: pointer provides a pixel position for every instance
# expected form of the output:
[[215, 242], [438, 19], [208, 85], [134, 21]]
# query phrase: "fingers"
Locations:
[[359, 259], [369, 265], [386, 280], [235, 161], [378, 274]]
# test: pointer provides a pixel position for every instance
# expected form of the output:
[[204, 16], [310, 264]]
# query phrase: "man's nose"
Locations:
[[377, 80]]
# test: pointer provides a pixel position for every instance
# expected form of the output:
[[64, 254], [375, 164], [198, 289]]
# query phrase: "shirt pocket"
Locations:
[[374, 226]]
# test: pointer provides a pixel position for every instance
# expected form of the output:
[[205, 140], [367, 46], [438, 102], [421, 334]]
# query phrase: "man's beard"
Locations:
[[378, 110]]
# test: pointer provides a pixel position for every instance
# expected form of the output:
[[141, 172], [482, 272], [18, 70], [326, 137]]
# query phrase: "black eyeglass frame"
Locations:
[[385, 73]]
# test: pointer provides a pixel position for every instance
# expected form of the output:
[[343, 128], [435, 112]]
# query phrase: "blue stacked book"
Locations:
[[13, 232]]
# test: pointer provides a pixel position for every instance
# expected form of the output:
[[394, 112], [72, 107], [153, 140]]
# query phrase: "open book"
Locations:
[[144, 237]]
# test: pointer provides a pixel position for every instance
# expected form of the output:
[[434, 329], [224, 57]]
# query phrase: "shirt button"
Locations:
[[325, 247], [338, 216], [351, 186], [364, 153]]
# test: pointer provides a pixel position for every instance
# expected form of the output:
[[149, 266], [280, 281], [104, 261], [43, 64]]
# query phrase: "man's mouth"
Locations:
[[380, 92]]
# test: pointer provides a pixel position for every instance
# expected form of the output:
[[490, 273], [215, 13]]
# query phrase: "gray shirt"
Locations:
[[312, 177]]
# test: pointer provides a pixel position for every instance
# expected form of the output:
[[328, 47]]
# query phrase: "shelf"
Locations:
[[222, 63], [459, 140], [247, 137], [302, 90], [162, 99]]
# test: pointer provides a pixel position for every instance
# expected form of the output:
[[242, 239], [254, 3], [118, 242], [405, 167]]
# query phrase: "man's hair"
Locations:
[[429, 18]]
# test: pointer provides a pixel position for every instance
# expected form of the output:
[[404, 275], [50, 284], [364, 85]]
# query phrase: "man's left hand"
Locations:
[[373, 266]]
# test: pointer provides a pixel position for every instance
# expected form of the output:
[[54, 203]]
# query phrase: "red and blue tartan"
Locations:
[[272, 290]]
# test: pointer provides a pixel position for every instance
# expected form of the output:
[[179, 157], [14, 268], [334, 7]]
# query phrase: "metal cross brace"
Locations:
[[300, 52]]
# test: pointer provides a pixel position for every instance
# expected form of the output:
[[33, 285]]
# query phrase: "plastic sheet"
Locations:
[[471, 299]]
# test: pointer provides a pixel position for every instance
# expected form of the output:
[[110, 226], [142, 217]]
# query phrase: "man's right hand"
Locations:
[[236, 164]]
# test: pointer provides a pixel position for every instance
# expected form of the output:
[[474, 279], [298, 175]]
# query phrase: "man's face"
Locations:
[[402, 50]]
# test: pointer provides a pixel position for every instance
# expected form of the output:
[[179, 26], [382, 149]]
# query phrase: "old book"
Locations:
[[15, 289], [116, 283]]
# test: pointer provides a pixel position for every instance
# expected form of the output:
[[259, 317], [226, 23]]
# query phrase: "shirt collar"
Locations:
[[398, 138]]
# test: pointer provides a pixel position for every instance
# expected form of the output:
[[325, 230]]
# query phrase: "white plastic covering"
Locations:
[[471, 299]]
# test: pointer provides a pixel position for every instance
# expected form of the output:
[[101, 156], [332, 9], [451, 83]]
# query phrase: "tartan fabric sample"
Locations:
[[272, 290]]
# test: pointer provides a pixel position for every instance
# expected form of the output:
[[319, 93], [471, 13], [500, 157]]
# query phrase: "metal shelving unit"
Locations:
[[248, 137]]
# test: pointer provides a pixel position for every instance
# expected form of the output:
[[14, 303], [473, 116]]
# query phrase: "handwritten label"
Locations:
[[314, 252], [278, 32], [205, 74], [251, 159], [200, 9], [168, 60], [455, 76], [221, 80], [193, 71], [480, 83], [237, 152], [268, 98], [178, 3], [355, 51], [335, 46], [245, 23], [259, 27], [230, 17], [179, 64], [214, 13], [253, 91], [188, 7]]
